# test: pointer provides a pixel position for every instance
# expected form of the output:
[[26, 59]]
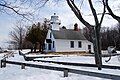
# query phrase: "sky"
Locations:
[[67, 17]]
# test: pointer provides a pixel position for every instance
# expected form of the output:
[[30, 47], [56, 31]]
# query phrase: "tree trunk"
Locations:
[[31, 50], [35, 46], [97, 48], [20, 46], [31, 47], [40, 46]]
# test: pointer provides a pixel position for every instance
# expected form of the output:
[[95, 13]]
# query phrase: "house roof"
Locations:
[[68, 34], [48, 40]]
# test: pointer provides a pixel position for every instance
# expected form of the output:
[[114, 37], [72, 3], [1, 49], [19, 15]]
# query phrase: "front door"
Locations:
[[89, 48], [49, 46]]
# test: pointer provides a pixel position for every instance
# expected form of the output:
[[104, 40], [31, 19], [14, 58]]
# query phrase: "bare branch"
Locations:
[[81, 4], [103, 14], [42, 4], [16, 11], [93, 12], [78, 14], [111, 12]]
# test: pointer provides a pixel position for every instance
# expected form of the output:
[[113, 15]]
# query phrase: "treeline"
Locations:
[[31, 37], [110, 36]]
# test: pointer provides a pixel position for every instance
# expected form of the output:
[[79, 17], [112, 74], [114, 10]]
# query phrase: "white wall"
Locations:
[[46, 44], [64, 45], [61, 45]]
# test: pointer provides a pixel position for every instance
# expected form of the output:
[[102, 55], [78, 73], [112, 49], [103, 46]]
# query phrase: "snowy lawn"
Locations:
[[83, 59], [13, 72]]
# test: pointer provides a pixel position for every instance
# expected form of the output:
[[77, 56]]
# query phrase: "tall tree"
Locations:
[[36, 34], [104, 38], [31, 36], [94, 28], [18, 35], [42, 32]]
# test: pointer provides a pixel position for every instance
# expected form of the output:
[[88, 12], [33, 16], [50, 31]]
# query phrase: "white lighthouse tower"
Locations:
[[55, 22]]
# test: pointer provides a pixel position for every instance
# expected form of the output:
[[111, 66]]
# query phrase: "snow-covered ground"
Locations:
[[13, 72], [83, 59]]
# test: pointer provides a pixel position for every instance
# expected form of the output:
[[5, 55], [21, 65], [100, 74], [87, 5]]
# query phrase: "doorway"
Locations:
[[49, 46]]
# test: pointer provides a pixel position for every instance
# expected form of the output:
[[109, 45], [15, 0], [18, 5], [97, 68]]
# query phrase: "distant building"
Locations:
[[65, 40]]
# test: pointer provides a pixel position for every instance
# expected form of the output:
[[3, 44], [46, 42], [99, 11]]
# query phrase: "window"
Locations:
[[89, 46], [79, 44], [51, 22], [53, 44], [72, 44], [50, 35]]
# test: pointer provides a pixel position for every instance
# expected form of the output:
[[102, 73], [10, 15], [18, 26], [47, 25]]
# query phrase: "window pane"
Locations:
[[89, 46], [53, 44], [79, 44], [72, 44], [50, 35]]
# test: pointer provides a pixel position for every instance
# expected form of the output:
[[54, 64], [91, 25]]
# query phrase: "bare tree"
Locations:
[[94, 28], [18, 35], [87, 34], [111, 12], [24, 8]]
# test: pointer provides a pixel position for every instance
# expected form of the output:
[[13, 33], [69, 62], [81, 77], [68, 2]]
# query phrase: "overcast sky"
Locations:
[[65, 14]]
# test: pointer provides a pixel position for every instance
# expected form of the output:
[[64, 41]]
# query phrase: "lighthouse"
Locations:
[[55, 22]]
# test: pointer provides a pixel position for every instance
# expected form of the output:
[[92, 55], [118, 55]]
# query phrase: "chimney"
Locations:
[[63, 27], [76, 27]]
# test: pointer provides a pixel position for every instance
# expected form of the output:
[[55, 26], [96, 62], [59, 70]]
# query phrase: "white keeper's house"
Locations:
[[65, 40]]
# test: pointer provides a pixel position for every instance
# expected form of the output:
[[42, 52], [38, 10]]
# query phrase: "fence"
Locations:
[[65, 70], [9, 54], [80, 64]]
